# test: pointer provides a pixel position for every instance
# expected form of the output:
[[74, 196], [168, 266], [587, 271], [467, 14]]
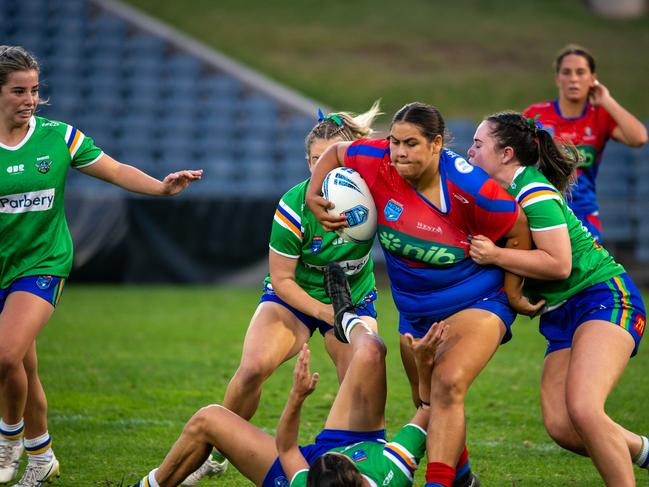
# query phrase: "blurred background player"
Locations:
[[586, 115], [294, 305], [36, 257], [430, 201], [351, 450], [585, 290]]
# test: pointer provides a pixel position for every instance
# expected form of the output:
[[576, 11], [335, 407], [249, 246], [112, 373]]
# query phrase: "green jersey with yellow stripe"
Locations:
[[297, 234], [34, 234], [383, 464], [546, 209]]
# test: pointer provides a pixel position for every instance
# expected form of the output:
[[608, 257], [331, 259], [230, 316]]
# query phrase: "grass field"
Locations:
[[125, 367], [468, 57]]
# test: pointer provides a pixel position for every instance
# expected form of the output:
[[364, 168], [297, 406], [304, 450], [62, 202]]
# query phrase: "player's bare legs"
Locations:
[[23, 316], [274, 336], [473, 337], [360, 402], [249, 449], [599, 356], [555, 412], [341, 353]]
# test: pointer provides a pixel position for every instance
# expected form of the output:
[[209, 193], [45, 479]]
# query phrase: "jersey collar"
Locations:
[[558, 110], [32, 126]]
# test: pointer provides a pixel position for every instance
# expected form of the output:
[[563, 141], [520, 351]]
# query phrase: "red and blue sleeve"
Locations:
[[495, 211], [365, 157]]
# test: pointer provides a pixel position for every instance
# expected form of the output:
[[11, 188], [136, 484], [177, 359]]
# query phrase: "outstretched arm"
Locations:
[[132, 179], [332, 158], [289, 424]]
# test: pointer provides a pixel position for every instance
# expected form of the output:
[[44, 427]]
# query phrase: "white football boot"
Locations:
[[10, 453], [210, 468], [36, 473]]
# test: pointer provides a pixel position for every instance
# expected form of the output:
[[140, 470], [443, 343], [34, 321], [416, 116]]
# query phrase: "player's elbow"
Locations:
[[562, 269]]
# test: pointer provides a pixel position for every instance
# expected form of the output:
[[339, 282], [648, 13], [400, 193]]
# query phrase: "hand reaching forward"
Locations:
[[175, 182], [303, 382]]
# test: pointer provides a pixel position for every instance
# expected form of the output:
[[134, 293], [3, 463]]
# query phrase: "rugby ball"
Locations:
[[349, 192]]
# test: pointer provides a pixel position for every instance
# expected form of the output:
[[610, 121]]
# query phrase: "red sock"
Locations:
[[464, 457], [440, 473]]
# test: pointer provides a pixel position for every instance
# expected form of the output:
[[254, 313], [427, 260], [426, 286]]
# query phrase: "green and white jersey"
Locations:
[[546, 209], [33, 231], [383, 464], [298, 235]]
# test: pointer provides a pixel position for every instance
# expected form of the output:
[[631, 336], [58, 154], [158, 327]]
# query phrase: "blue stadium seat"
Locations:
[[219, 86], [183, 65], [144, 45], [107, 26]]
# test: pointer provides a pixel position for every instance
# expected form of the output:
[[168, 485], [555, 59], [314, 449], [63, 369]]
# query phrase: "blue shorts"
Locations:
[[324, 442], [49, 288], [366, 308], [617, 301], [496, 303]]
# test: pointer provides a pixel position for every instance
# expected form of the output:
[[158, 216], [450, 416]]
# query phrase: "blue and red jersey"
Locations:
[[589, 132], [426, 247]]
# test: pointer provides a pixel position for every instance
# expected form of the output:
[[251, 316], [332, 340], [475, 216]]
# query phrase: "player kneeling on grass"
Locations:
[[350, 451]]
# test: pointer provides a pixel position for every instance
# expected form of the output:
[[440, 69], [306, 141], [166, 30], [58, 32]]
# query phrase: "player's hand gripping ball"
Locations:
[[349, 192]]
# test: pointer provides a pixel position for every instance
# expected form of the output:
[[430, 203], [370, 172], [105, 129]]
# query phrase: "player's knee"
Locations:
[[583, 412], [448, 387], [200, 421], [9, 362], [251, 374], [372, 353], [560, 430]]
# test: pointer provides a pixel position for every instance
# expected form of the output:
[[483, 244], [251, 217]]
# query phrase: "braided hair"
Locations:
[[534, 146], [343, 125]]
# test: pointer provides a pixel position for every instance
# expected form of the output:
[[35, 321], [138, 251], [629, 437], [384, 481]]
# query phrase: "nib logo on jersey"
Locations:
[[419, 250], [24, 202]]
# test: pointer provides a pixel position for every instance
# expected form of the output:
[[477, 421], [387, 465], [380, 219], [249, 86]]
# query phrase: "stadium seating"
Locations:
[[150, 102]]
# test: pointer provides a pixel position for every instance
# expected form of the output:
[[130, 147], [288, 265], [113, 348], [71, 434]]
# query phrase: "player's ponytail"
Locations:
[[534, 146]]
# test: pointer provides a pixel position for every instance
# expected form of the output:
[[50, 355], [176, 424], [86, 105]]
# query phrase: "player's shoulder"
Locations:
[[461, 172], [47, 125], [294, 198], [369, 147], [530, 183], [540, 107]]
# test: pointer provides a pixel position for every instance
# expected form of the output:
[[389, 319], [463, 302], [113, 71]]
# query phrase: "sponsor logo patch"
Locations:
[[16, 169], [463, 166], [639, 325], [24, 202]]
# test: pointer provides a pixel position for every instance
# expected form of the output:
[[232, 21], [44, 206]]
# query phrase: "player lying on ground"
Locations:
[[293, 305], [351, 448]]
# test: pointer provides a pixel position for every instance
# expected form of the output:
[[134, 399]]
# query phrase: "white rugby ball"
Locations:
[[349, 192]]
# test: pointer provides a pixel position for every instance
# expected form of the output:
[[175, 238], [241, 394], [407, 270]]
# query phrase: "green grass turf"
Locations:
[[468, 57], [124, 367]]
